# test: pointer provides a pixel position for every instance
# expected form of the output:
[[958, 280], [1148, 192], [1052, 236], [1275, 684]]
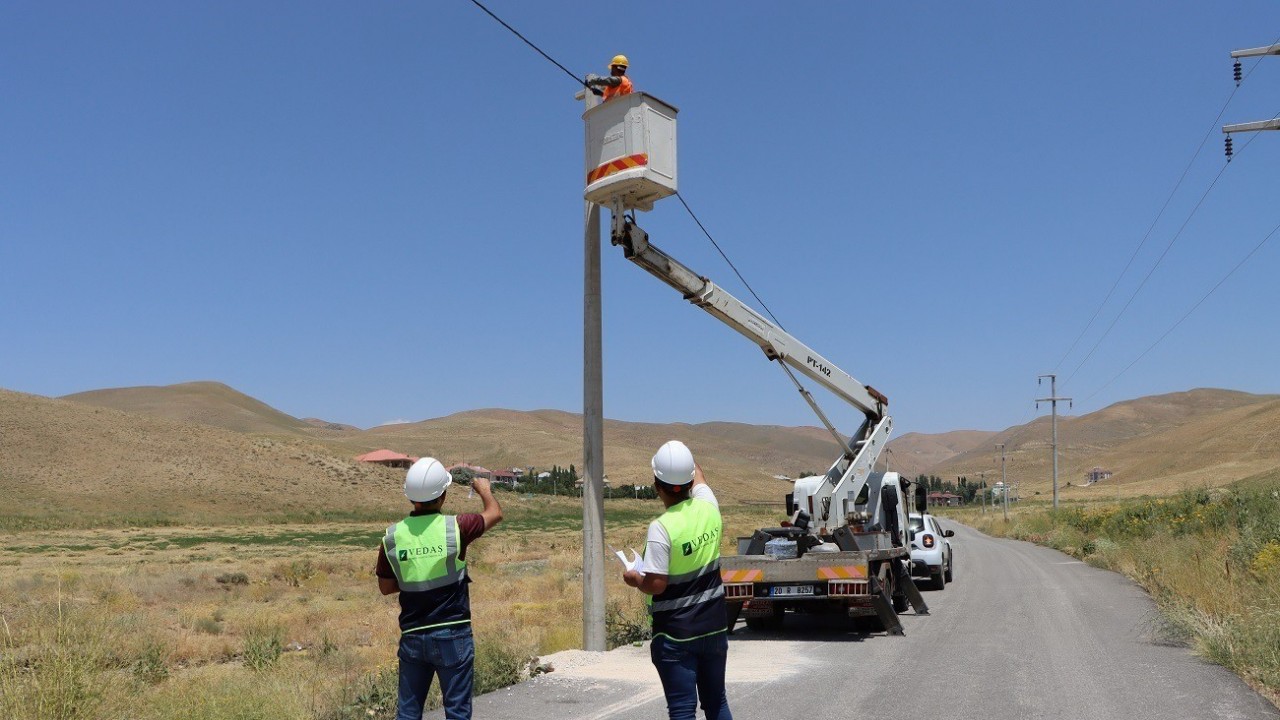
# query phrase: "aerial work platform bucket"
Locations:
[[631, 151]]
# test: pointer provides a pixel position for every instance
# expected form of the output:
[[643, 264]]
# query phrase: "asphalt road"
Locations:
[[1023, 632]]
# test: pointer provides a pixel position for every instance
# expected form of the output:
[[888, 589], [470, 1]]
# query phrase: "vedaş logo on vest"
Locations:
[[706, 537], [418, 552]]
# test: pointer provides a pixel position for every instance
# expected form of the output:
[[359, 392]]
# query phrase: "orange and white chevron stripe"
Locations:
[[737, 576], [614, 166], [842, 572]]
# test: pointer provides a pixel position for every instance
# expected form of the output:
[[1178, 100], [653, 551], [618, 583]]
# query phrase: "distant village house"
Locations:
[[505, 477], [944, 499], [1095, 475], [388, 458]]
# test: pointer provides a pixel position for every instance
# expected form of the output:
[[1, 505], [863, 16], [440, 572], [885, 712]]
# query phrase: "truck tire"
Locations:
[[900, 603]]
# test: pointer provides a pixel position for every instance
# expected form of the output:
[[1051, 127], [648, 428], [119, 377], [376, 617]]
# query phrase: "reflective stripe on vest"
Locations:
[[688, 608], [423, 552]]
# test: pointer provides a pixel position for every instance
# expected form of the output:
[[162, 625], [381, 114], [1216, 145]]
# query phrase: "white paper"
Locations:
[[633, 563]]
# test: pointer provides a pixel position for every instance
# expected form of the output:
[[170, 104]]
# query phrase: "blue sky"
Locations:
[[367, 212]]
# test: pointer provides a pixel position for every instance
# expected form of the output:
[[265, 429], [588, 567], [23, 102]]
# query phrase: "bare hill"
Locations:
[[916, 453], [1154, 445], [90, 464], [180, 448], [207, 403], [152, 440]]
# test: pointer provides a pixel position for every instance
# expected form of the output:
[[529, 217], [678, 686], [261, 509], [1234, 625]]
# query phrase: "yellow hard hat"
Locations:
[[619, 60]]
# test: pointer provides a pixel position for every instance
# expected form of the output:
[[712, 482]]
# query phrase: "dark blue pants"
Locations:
[[691, 671], [449, 652]]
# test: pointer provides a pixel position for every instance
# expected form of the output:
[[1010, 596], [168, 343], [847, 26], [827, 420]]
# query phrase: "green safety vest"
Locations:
[[423, 553], [692, 606]]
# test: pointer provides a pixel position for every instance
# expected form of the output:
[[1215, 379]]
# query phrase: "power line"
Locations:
[[1212, 126], [1186, 315], [1150, 272], [1159, 260], [515, 32], [726, 259]]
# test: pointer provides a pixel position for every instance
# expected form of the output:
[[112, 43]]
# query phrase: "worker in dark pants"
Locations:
[[680, 572], [423, 558]]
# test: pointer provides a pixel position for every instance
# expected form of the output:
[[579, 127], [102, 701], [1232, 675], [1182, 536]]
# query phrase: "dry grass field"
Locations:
[[275, 621]]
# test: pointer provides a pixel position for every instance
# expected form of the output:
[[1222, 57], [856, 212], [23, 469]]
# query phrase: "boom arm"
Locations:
[[849, 473], [776, 342]]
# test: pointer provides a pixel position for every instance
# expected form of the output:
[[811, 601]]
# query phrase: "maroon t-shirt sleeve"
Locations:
[[384, 568], [471, 525]]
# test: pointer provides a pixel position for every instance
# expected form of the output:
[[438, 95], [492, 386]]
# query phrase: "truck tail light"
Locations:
[[928, 541], [847, 588], [737, 591]]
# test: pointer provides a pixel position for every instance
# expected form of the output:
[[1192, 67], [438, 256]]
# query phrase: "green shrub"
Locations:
[[152, 666], [499, 664], [373, 697], [263, 647], [208, 626], [625, 625]]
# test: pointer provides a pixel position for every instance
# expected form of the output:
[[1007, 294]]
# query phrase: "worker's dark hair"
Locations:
[[431, 504], [680, 491]]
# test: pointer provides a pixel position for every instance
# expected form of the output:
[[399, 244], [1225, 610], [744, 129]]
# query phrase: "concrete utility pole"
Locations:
[[1273, 123], [982, 475], [1053, 399], [593, 630], [1004, 483]]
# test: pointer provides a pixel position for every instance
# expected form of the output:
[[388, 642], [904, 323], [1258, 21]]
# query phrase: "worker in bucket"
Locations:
[[423, 558], [617, 84], [680, 571]]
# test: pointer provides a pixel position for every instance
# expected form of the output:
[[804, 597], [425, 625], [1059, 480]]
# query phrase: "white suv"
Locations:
[[931, 555]]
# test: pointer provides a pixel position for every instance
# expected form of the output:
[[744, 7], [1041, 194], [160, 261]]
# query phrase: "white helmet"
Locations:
[[673, 464], [426, 480]]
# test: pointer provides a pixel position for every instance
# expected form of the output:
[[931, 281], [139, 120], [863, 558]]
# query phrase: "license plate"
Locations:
[[790, 590]]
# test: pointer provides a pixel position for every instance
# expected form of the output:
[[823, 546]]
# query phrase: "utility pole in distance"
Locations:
[[1273, 123], [593, 604], [1053, 399], [1004, 484]]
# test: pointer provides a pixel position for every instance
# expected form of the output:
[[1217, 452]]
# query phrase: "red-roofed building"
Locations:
[[506, 477], [944, 499], [388, 458]]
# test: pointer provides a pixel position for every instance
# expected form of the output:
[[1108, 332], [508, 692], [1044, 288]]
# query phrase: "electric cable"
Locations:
[[1186, 315], [1200, 148], [552, 60], [726, 259]]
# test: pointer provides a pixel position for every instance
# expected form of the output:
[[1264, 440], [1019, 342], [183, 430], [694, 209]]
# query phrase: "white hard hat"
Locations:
[[673, 464], [426, 480]]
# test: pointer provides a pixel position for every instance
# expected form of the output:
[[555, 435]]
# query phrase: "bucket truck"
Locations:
[[845, 547]]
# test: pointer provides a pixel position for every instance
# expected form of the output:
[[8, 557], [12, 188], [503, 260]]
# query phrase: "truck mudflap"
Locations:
[[882, 603]]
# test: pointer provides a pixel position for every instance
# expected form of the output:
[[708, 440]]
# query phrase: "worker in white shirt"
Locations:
[[680, 573]]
